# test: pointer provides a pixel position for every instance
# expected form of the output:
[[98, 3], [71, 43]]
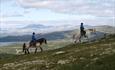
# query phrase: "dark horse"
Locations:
[[83, 34], [34, 44]]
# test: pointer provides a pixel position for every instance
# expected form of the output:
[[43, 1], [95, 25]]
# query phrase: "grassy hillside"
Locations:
[[98, 55]]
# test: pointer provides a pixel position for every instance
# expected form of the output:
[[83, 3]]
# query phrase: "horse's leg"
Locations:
[[36, 50], [87, 38], [24, 50], [84, 34], [27, 51], [75, 42], [41, 48], [80, 38]]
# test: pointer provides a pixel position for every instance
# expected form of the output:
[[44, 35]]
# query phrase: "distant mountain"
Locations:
[[101, 30], [48, 36], [88, 26], [36, 26], [106, 29]]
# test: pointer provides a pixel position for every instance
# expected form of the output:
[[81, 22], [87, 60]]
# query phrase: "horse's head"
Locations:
[[45, 41], [41, 40]]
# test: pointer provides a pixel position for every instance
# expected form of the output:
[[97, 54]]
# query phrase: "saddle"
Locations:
[[83, 32], [33, 42]]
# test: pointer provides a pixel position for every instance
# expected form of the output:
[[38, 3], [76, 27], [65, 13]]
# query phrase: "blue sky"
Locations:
[[91, 12]]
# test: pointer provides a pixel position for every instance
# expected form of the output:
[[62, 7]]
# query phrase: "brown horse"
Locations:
[[34, 44]]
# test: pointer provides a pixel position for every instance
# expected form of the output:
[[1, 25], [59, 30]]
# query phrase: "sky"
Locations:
[[17, 13]]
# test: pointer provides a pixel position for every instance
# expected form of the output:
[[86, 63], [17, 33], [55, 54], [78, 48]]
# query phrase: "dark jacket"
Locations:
[[33, 37], [81, 27]]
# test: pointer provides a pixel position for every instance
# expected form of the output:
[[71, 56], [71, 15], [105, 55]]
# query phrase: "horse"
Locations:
[[77, 37], [83, 34], [34, 44]]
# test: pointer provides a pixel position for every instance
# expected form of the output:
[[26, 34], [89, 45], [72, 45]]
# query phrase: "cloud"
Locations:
[[9, 8], [76, 11], [91, 7], [34, 3], [11, 15]]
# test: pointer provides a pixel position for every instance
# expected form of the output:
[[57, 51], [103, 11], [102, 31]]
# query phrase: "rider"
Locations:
[[33, 37], [81, 28]]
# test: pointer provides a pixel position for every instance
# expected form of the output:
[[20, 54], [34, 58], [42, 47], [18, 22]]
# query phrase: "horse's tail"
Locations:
[[45, 41], [84, 31]]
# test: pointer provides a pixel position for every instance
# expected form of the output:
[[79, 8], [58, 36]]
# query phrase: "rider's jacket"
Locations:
[[33, 38], [81, 27]]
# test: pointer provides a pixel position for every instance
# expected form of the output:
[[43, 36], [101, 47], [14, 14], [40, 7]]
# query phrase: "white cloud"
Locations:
[[91, 11], [92, 7], [87, 11], [34, 3]]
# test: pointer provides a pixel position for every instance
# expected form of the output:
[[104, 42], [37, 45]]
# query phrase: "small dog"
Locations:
[[18, 51]]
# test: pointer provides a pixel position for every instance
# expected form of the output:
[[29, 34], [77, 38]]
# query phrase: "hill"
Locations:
[[58, 34], [35, 26], [98, 55], [106, 29], [48, 36]]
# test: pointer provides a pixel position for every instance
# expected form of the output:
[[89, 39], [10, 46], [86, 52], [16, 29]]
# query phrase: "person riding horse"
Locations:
[[81, 29], [33, 38], [33, 43], [82, 32]]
